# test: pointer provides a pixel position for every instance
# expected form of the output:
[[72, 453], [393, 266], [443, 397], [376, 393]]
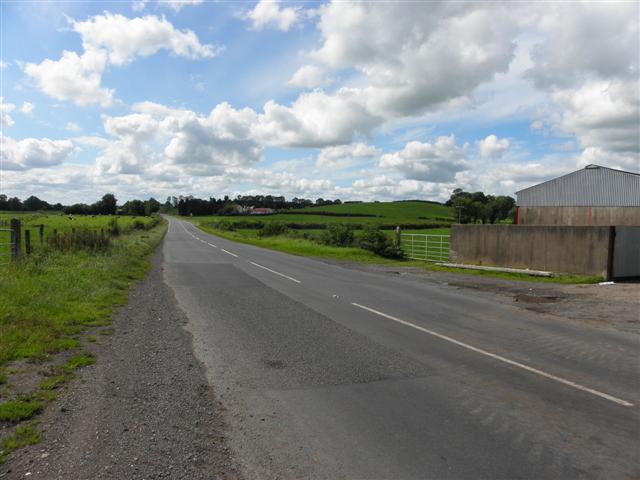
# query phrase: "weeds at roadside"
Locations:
[[24, 435], [18, 410]]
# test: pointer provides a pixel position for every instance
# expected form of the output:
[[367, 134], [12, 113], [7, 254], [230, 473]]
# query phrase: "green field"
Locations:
[[303, 237], [52, 299], [54, 221], [417, 215]]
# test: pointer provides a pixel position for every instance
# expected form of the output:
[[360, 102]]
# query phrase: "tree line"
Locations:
[[107, 205], [190, 205], [477, 207]]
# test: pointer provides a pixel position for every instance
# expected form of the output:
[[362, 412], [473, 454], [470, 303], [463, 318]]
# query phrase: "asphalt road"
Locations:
[[328, 372]]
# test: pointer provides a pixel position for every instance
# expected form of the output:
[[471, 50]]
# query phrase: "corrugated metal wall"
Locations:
[[589, 187]]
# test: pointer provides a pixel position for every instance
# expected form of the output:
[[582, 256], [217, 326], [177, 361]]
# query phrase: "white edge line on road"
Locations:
[[277, 273], [230, 253], [597, 393], [211, 245]]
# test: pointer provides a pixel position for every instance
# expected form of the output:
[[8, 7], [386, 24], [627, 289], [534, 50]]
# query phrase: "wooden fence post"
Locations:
[[398, 236], [16, 240], [42, 233], [27, 242]]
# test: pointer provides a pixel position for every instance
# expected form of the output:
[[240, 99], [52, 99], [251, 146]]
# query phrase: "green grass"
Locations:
[[304, 247], [24, 435], [48, 298], [53, 382], [17, 410], [59, 222], [79, 361], [386, 213]]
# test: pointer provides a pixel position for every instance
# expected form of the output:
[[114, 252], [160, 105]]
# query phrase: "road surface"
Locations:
[[327, 372]]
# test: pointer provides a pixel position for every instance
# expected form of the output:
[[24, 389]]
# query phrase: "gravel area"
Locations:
[[614, 305], [144, 410]]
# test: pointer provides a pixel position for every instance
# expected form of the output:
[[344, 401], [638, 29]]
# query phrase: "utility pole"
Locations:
[[460, 213]]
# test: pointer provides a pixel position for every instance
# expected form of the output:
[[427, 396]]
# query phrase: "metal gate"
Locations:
[[430, 248]]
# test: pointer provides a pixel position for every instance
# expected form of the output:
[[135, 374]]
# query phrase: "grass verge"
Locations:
[[47, 302], [27, 434], [48, 299], [304, 247]]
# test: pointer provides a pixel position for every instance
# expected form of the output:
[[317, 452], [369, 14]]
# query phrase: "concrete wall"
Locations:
[[580, 250], [629, 216]]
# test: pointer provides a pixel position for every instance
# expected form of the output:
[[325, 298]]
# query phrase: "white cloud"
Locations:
[[33, 153], [111, 39], [72, 127], [177, 5], [5, 110], [310, 76], [73, 77], [27, 108], [139, 5], [424, 57], [126, 38], [3, 64], [436, 162], [267, 13], [603, 114], [492, 147], [586, 40], [315, 119], [344, 156], [159, 137]]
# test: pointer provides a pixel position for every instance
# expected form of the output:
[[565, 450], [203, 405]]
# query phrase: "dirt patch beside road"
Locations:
[[615, 306], [145, 410]]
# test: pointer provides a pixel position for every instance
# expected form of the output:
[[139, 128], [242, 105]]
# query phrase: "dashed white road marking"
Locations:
[[230, 253], [273, 271], [211, 245], [550, 376]]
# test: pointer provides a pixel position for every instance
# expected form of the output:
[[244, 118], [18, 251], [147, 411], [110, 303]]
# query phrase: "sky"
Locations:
[[358, 101]]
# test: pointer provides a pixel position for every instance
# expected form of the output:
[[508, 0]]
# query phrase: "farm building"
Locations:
[[594, 195], [586, 222]]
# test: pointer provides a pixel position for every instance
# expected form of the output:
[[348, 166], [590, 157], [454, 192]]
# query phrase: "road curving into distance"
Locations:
[[328, 372]]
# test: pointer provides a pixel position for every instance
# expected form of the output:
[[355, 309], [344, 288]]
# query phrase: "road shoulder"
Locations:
[[145, 410]]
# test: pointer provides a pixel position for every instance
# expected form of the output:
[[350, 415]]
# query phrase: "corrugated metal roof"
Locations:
[[593, 186]]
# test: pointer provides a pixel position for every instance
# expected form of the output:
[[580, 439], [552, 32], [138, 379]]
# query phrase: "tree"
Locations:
[[33, 204], [106, 206]]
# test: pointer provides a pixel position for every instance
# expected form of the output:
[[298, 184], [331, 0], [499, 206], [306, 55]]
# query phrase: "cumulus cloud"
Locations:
[[5, 110], [344, 156], [33, 153], [469, 44], [27, 108], [492, 147], [198, 145], [603, 114], [177, 5], [584, 41], [310, 76], [269, 14], [436, 162], [72, 127], [126, 38], [110, 39]]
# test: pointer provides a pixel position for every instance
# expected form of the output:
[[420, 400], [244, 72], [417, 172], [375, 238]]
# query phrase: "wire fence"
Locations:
[[6, 245]]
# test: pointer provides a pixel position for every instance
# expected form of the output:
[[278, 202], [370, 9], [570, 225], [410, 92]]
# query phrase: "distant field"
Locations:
[[403, 212], [58, 222], [414, 215]]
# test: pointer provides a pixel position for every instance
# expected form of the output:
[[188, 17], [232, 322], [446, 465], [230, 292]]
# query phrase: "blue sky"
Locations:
[[337, 100]]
